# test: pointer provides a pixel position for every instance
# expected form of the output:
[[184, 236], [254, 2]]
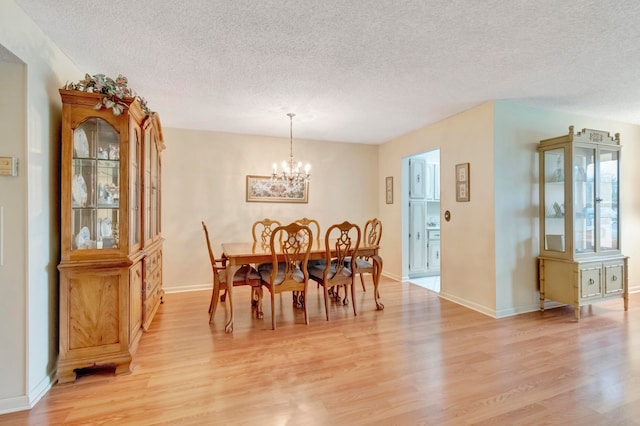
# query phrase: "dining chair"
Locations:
[[262, 229], [313, 224], [261, 232], [246, 275], [372, 235], [344, 239], [289, 272]]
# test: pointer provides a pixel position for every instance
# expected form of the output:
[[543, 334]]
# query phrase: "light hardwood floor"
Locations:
[[422, 360]]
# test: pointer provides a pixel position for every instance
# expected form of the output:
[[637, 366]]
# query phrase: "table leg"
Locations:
[[259, 294], [377, 271], [231, 272]]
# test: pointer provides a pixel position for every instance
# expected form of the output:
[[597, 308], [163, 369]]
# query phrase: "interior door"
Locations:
[[417, 236]]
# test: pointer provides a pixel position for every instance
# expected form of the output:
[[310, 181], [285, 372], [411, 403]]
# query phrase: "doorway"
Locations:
[[423, 174]]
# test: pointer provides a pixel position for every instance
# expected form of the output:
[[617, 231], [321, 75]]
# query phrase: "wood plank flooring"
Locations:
[[422, 360]]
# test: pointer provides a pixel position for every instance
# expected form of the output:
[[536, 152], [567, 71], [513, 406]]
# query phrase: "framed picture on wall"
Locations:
[[462, 182], [263, 189], [389, 189]]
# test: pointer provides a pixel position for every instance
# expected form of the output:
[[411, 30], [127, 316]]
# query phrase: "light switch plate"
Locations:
[[8, 166]]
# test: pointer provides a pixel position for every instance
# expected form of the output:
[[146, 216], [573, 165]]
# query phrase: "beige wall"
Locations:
[[32, 321], [518, 130], [13, 227], [204, 178], [467, 241], [489, 249]]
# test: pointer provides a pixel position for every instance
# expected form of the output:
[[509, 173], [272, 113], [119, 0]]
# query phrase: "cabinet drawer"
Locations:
[[613, 279], [153, 281], [590, 282], [151, 261], [433, 235], [151, 302]]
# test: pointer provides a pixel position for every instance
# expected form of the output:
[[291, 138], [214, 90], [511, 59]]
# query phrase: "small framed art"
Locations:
[[462, 182], [389, 189]]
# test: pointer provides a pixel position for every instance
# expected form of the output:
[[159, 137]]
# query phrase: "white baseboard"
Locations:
[[182, 288], [27, 402], [392, 276], [10, 405], [468, 304]]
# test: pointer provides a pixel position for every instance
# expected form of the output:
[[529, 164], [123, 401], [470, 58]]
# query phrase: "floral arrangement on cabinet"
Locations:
[[114, 92]]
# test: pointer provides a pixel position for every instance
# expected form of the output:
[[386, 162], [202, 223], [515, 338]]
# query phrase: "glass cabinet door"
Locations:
[[584, 198], [554, 199], [134, 199], [579, 188], [147, 187], [155, 208], [607, 199], [95, 186]]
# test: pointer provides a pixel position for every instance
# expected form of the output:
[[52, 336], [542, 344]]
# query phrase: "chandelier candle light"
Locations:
[[291, 171]]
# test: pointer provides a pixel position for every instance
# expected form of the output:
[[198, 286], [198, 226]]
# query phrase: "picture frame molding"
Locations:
[[463, 179], [389, 189], [261, 189]]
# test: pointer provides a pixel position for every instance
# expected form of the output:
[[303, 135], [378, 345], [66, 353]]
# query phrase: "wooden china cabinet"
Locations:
[[111, 246]]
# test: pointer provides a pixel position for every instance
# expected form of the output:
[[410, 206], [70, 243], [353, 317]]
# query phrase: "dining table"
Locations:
[[256, 253]]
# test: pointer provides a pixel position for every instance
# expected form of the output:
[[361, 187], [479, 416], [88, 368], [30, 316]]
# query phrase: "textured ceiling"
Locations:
[[353, 70]]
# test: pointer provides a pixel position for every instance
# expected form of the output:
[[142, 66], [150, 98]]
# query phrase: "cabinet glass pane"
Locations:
[[95, 185], [108, 203], [147, 189], [584, 199], [155, 229], [554, 218], [108, 183], [608, 199], [134, 199]]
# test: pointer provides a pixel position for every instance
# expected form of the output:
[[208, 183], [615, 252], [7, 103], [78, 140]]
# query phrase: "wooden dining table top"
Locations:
[[250, 252]]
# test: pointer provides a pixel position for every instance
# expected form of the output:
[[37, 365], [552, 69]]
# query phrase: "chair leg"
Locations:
[[326, 301], [214, 301], [224, 296], [304, 306], [259, 293], [298, 299], [273, 311], [254, 297], [353, 297], [362, 281]]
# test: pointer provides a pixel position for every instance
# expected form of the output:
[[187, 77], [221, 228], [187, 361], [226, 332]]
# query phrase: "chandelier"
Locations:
[[291, 171]]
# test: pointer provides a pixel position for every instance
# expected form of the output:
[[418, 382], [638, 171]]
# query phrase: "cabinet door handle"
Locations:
[[591, 281], [614, 278], [418, 235]]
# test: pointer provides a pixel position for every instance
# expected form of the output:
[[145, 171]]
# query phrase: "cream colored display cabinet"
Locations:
[[580, 260], [111, 249]]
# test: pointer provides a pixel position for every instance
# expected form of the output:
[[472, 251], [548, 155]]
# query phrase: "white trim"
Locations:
[[10, 405], [182, 289]]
